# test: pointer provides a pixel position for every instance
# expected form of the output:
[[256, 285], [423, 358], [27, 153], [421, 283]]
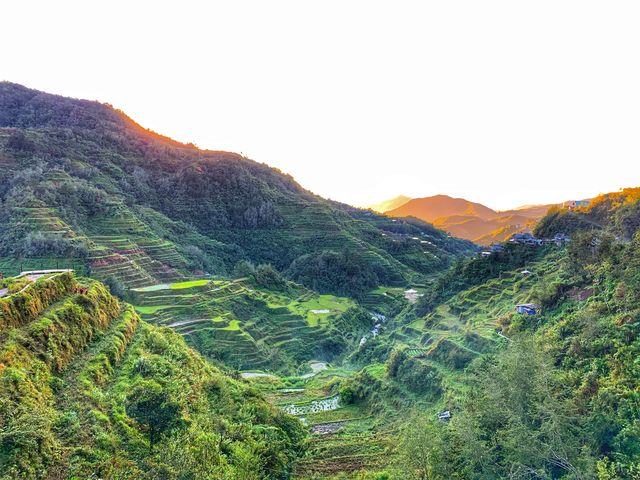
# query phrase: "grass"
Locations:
[[153, 308], [318, 310], [189, 284], [233, 325]]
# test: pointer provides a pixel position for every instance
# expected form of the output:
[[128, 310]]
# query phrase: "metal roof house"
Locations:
[[445, 416], [527, 308], [561, 238]]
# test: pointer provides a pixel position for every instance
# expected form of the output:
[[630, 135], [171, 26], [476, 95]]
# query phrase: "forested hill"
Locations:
[[618, 213], [82, 180]]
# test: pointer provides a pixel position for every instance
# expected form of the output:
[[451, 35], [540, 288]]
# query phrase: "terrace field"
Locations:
[[471, 323], [75, 363], [116, 243], [344, 438], [250, 327]]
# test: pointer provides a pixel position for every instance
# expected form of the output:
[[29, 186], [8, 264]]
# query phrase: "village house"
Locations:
[[412, 295], [561, 239], [444, 416], [573, 204], [526, 309], [525, 238]]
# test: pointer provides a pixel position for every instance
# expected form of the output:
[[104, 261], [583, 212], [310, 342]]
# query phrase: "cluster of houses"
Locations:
[[558, 239], [526, 238]]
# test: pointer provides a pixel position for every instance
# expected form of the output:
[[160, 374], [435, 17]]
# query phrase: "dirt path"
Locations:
[[35, 277]]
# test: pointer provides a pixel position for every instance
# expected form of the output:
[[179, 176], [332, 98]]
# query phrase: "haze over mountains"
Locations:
[[390, 204], [463, 218]]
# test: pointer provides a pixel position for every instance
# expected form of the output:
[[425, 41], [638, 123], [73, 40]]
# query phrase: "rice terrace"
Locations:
[[319, 241]]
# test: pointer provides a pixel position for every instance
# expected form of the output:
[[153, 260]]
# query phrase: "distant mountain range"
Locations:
[[463, 218]]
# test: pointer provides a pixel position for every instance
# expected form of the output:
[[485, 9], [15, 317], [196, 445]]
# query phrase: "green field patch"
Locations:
[[233, 325], [151, 309], [189, 284], [152, 288]]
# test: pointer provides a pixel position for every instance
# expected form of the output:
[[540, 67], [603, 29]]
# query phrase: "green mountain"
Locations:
[[88, 390], [616, 212], [554, 392], [446, 381], [84, 184]]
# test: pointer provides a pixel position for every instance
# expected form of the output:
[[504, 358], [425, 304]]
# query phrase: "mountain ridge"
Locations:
[[471, 220], [85, 182]]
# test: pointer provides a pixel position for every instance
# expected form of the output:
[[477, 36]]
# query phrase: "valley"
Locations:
[[174, 313]]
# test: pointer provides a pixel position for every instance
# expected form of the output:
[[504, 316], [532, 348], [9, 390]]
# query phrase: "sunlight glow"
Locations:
[[501, 102]]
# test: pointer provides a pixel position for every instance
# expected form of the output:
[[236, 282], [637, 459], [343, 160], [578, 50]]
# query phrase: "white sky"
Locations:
[[501, 102]]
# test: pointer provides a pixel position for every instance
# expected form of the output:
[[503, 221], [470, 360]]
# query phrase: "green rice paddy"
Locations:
[[252, 327]]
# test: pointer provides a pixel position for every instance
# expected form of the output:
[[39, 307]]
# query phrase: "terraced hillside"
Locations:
[[251, 327], [116, 243], [475, 321], [82, 182], [345, 438], [88, 390]]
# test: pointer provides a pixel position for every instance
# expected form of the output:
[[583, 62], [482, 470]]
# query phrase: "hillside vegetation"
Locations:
[[272, 334], [88, 390], [83, 183], [249, 325], [551, 395]]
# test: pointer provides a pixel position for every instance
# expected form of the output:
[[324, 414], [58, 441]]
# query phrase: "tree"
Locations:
[[423, 451], [150, 405], [519, 422], [116, 287], [523, 410]]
